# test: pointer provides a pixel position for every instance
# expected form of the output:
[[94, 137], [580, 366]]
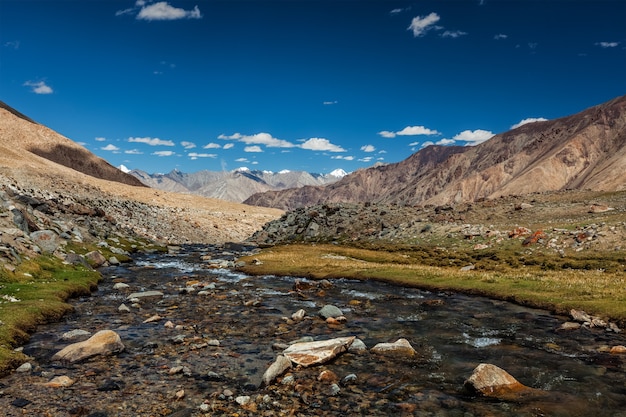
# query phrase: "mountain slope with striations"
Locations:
[[584, 151]]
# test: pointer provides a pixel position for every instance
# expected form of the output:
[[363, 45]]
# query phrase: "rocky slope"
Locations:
[[37, 186], [583, 151], [235, 185]]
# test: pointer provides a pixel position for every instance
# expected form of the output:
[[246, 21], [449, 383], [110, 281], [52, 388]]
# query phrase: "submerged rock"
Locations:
[[280, 365], [399, 347]]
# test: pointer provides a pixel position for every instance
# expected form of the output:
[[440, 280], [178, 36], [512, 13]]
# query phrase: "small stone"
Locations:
[[358, 346], [175, 370], [75, 334], [330, 311], [228, 393], [153, 319], [348, 379], [400, 346], [298, 315], [469, 267], [62, 381], [280, 365], [180, 394], [569, 325], [242, 399], [120, 286], [327, 376], [123, 308], [334, 389], [25, 367], [619, 349], [168, 324], [144, 294]]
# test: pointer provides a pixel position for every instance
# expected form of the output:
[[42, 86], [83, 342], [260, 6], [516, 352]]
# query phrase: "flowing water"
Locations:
[[227, 328]]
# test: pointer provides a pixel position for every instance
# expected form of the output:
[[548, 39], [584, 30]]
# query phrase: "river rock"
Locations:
[[298, 315], [95, 258], [75, 334], [280, 365], [619, 349], [145, 294], [105, 342], [399, 347], [491, 381], [330, 311], [62, 381], [25, 367], [314, 353], [46, 240]]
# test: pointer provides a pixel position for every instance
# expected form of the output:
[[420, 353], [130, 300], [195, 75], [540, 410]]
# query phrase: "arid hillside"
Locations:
[[583, 151], [37, 161]]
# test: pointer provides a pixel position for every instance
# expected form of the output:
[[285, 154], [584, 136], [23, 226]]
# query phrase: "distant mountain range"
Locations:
[[583, 151], [235, 185]]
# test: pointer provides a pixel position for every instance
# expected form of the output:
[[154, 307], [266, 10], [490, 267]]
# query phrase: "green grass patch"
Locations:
[[36, 293], [506, 275]]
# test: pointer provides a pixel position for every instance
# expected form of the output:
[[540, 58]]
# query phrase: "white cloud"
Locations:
[[39, 87], [254, 148], [321, 144], [345, 158], [163, 153], [259, 139], [529, 120], [366, 159], [241, 160], [474, 137], [368, 148], [100, 139], [607, 44], [215, 146], [387, 134], [133, 152], [453, 34], [409, 131], [188, 145], [420, 25], [500, 36], [164, 11], [441, 142], [328, 103], [195, 155], [229, 145], [110, 147], [416, 130], [152, 141]]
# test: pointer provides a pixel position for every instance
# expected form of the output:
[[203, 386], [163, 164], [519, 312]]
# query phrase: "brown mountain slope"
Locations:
[[583, 151], [35, 158], [17, 135]]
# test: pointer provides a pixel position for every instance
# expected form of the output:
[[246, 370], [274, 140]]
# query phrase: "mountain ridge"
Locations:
[[584, 150], [236, 185]]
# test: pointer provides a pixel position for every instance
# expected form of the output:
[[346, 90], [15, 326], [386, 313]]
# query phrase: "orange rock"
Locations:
[[619, 349]]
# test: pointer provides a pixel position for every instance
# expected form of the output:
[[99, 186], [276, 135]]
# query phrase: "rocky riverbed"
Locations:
[[199, 338]]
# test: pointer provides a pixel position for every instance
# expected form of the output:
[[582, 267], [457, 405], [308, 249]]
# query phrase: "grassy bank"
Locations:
[[597, 291], [35, 293]]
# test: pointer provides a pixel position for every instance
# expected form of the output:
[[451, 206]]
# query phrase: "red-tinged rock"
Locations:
[[618, 350], [494, 382]]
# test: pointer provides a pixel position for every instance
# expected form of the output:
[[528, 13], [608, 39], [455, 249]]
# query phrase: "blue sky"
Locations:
[[302, 85]]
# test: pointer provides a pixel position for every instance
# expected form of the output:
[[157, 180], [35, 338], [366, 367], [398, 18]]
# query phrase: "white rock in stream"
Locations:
[[144, 294], [313, 353], [280, 365]]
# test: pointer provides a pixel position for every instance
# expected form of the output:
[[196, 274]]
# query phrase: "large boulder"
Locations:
[[314, 353], [105, 342], [494, 382]]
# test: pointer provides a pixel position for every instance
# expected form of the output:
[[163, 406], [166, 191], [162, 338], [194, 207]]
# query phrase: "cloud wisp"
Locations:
[[152, 141], [39, 87], [409, 131], [255, 142], [529, 120], [162, 10]]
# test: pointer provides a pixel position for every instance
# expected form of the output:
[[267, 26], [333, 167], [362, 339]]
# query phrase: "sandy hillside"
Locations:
[[28, 152]]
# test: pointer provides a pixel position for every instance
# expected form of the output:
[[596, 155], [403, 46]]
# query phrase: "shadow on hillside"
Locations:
[[84, 161]]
